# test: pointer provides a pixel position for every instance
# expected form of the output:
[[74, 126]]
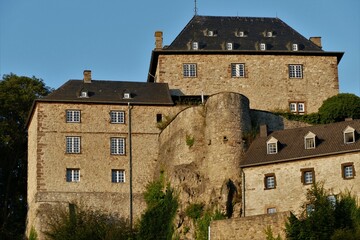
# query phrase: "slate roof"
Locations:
[[112, 92], [329, 141], [226, 29]]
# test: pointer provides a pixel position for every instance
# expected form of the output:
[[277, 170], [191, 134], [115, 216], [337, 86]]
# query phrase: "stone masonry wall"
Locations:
[[266, 82]]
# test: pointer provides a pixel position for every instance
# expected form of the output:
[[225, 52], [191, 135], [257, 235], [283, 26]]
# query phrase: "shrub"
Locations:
[[195, 210]]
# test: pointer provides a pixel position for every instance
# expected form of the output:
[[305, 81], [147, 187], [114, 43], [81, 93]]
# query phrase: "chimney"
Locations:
[[263, 130], [158, 40], [316, 41], [87, 76]]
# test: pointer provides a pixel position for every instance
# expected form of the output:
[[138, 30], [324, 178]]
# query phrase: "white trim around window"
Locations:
[[117, 176], [73, 175], [237, 70], [189, 70], [117, 117], [295, 71], [73, 116], [297, 107], [117, 146], [73, 144]]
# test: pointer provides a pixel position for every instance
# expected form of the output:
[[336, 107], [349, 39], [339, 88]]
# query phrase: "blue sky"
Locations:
[[56, 40]]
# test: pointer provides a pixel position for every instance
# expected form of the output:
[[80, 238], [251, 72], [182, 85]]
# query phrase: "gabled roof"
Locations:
[[112, 92], [227, 29], [330, 141]]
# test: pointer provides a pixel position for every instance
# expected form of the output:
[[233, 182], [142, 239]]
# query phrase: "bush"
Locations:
[[195, 210]]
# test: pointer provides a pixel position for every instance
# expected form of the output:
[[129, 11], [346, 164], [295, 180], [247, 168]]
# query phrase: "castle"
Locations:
[[99, 142]]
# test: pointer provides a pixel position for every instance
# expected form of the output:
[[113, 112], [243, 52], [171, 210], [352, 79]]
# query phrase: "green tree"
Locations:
[[17, 94], [328, 220], [339, 107]]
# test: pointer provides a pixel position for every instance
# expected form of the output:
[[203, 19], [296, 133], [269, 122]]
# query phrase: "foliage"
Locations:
[[270, 235], [17, 94], [190, 140], [328, 220], [195, 210], [33, 234], [203, 223], [162, 204], [165, 122], [312, 118], [81, 223], [339, 107]]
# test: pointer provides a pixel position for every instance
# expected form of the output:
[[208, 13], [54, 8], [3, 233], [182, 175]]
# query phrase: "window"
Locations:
[[127, 95], [295, 71], [310, 208], [271, 210], [297, 107], [332, 200], [117, 146], [229, 46], [348, 170], [269, 34], [73, 116], [270, 181], [210, 33], [72, 144], [262, 46], [195, 45], [272, 146], [241, 34], [117, 176], [84, 94], [237, 70], [117, 116], [310, 140], [295, 47], [307, 176], [349, 135], [73, 175], [189, 70], [158, 117]]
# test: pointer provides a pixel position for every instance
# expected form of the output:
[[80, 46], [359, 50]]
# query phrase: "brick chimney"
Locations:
[[316, 41], [87, 76], [158, 40], [263, 130]]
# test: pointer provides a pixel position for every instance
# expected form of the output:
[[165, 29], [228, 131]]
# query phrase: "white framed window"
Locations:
[[195, 45], [72, 144], [301, 107], [295, 47], [237, 70], [262, 46], [117, 176], [210, 33], [73, 116], [272, 146], [117, 146], [73, 175], [241, 34], [297, 107], [127, 95], [310, 140], [117, 116], [349, 135], [84, 94], [189, 70], [348, 170], [293, 107], [271, 210], [270, 181], [229, 46], [295, 71]]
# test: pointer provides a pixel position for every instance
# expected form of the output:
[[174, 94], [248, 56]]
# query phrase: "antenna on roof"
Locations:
[[195, 8]]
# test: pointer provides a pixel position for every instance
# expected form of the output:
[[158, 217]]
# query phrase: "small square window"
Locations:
[[270, 181], [229, 46], [189, 70], [118, 176], [297, 107], [237, 70], [117, 116], [307, 176], [295, 71], [295, 47], [348, 170], [72, 144], [271, 210], [73, 116], [195, 45], [72, 175], [158, 117], [127, 95], [117, 146], [272, 148], [262, 46]]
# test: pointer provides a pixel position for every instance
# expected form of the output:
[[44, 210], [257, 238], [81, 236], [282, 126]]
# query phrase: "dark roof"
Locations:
[[226, 29], [291, 146], [112, 92]]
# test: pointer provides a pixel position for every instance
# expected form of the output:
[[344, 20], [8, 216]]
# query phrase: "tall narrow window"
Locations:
[[117, 117], [262, 46], [229, 46], [72, 144], [295, 71], [349, 135], [195, 45], [117, 176], [272, 146], [189, 70], [270, 181], [117, 146], [310, 140], [72, 116], [73, 175], [237, 70], [295, 47]]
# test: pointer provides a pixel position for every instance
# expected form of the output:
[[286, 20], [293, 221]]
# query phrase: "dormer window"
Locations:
[[272, 146], [127, 95], [269, 34], [295, 47], [195, 45], [310, 142], [84, 94], [349, 135], [210, 33], [229, 46], [241, 34], [262, 46]]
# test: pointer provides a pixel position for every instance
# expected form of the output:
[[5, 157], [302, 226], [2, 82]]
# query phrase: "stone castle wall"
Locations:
[[266, 82]]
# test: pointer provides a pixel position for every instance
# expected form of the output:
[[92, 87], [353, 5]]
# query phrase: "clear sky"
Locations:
[[56, 40]]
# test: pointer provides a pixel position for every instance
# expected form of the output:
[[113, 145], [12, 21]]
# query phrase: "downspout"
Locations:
[[243, 192], [130, 168]]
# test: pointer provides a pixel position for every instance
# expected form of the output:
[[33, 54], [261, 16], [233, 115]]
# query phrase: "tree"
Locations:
[[17, 94], [327, 219], [339, 107]]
